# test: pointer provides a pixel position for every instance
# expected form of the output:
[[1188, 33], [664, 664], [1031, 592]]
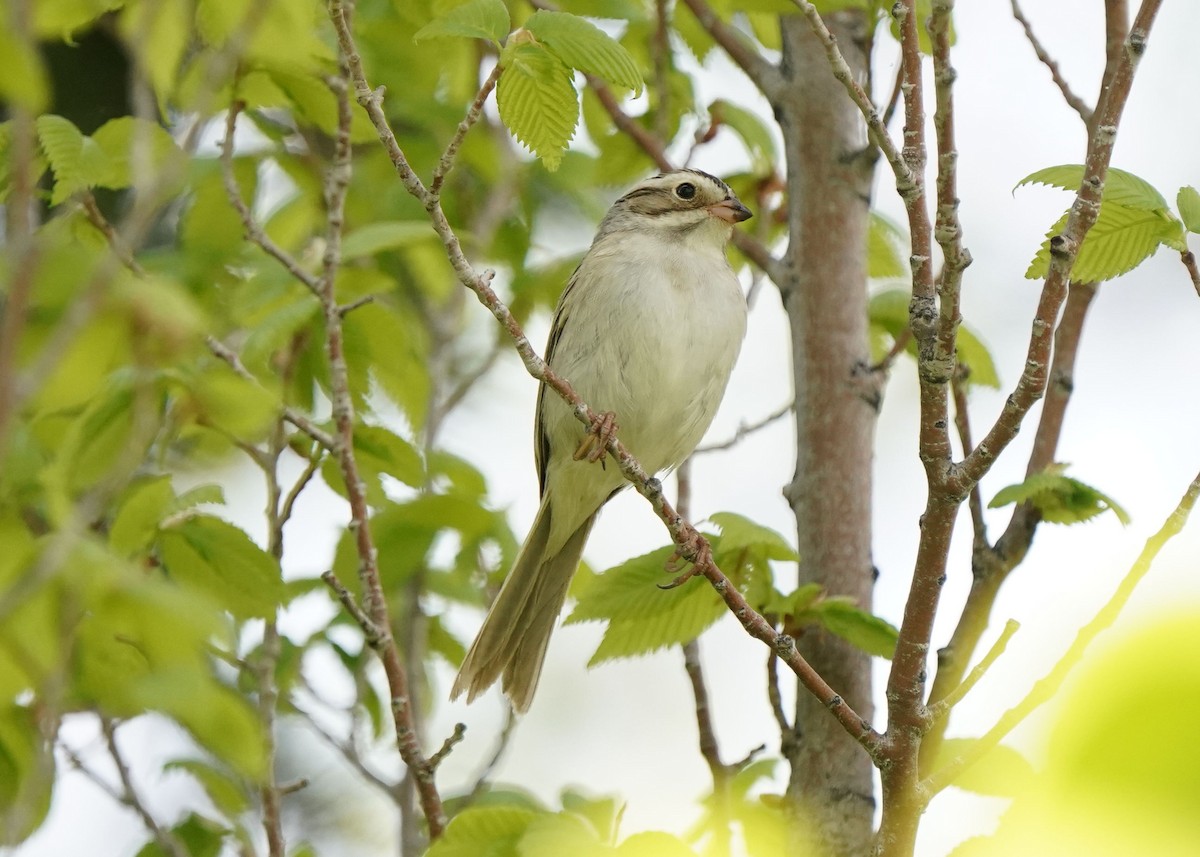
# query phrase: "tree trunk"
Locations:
[[837, 401]]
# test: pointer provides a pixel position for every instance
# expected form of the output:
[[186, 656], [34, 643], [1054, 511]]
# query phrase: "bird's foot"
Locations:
[[595, 443], [694, 545]]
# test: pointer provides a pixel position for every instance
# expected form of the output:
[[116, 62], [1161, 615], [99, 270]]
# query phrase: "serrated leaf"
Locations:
[[125, 140], [873, 635], [64, 144], [483, 830], [642, 618], [740, 533], [379, 452], [537, 101], [1121, 239], [1061, 499], [755, 134], [218, 559], [209, 492], [475, 19], [1121, 187], [1000, 772], [582, 45], [1188, 201], [885, 249]]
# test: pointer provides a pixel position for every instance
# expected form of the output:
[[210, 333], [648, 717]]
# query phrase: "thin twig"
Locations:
[[962, 423], [254, 232], [1073, 101], [762, 73], [293, 416], [96, 217], [1047, 686], [446, 162], [455, 738], [746, 429], [372, 633], [128, 793], [941, 708]]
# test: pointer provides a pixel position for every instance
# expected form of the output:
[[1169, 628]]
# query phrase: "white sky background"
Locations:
[[628, 728]]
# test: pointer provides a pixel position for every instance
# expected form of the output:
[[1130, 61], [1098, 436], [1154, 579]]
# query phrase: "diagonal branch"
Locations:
[[763, 74], [1073, 101], [692, 545]]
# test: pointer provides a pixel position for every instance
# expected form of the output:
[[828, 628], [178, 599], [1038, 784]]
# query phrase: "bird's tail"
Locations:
[[512, 642]]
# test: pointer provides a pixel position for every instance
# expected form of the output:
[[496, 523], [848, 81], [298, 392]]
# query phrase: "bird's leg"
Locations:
[[595, 442], [695, 545]]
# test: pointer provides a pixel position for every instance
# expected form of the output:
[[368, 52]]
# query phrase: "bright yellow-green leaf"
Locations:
[[653, 843], [159, 32], [1060, 498], [26, 772], [483, 830], [582, 45], [1121, 187], [225, 792], [873, 635], [886, 251], [537, 100], [23, 79], [553, 835], [1188, 201], [475, 19], [218, 559], [132, 146], [143, 506], [58, 19]]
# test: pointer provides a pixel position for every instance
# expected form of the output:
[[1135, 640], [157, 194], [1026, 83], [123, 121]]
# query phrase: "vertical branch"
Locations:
[[375, 604]]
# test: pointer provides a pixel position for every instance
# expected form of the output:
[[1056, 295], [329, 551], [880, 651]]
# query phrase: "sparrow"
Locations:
[[647, 332]]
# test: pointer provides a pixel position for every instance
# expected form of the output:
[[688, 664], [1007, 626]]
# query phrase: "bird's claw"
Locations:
[[595, 443], [697, 546]]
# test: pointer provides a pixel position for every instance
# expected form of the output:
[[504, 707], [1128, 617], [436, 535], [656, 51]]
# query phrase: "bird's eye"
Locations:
[[687, 190]]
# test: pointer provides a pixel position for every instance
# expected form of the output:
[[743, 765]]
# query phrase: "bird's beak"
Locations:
[[730, 210]]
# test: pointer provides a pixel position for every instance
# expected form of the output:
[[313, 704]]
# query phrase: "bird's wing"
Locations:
[[541, 440]]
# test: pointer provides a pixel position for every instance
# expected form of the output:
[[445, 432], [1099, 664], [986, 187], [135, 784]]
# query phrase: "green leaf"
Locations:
[[161, 32], [887, 313], [475, 19], [1000, 772], [384, 235], [126, 141], [224, 791], [76, 160], [582, 45], [1060, 499], [755, 134], [483, 830], [886, 251], [1121, 187], [23, 80], [603, 813], [642, 618], [201, 837], [537, 100], [145, 504], [974, 355], [379, 452], [1121, 239], [1188, 201], [653, 843], [215, 557], [27, 769], [740, 533], [553, 835], [873, 635]]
